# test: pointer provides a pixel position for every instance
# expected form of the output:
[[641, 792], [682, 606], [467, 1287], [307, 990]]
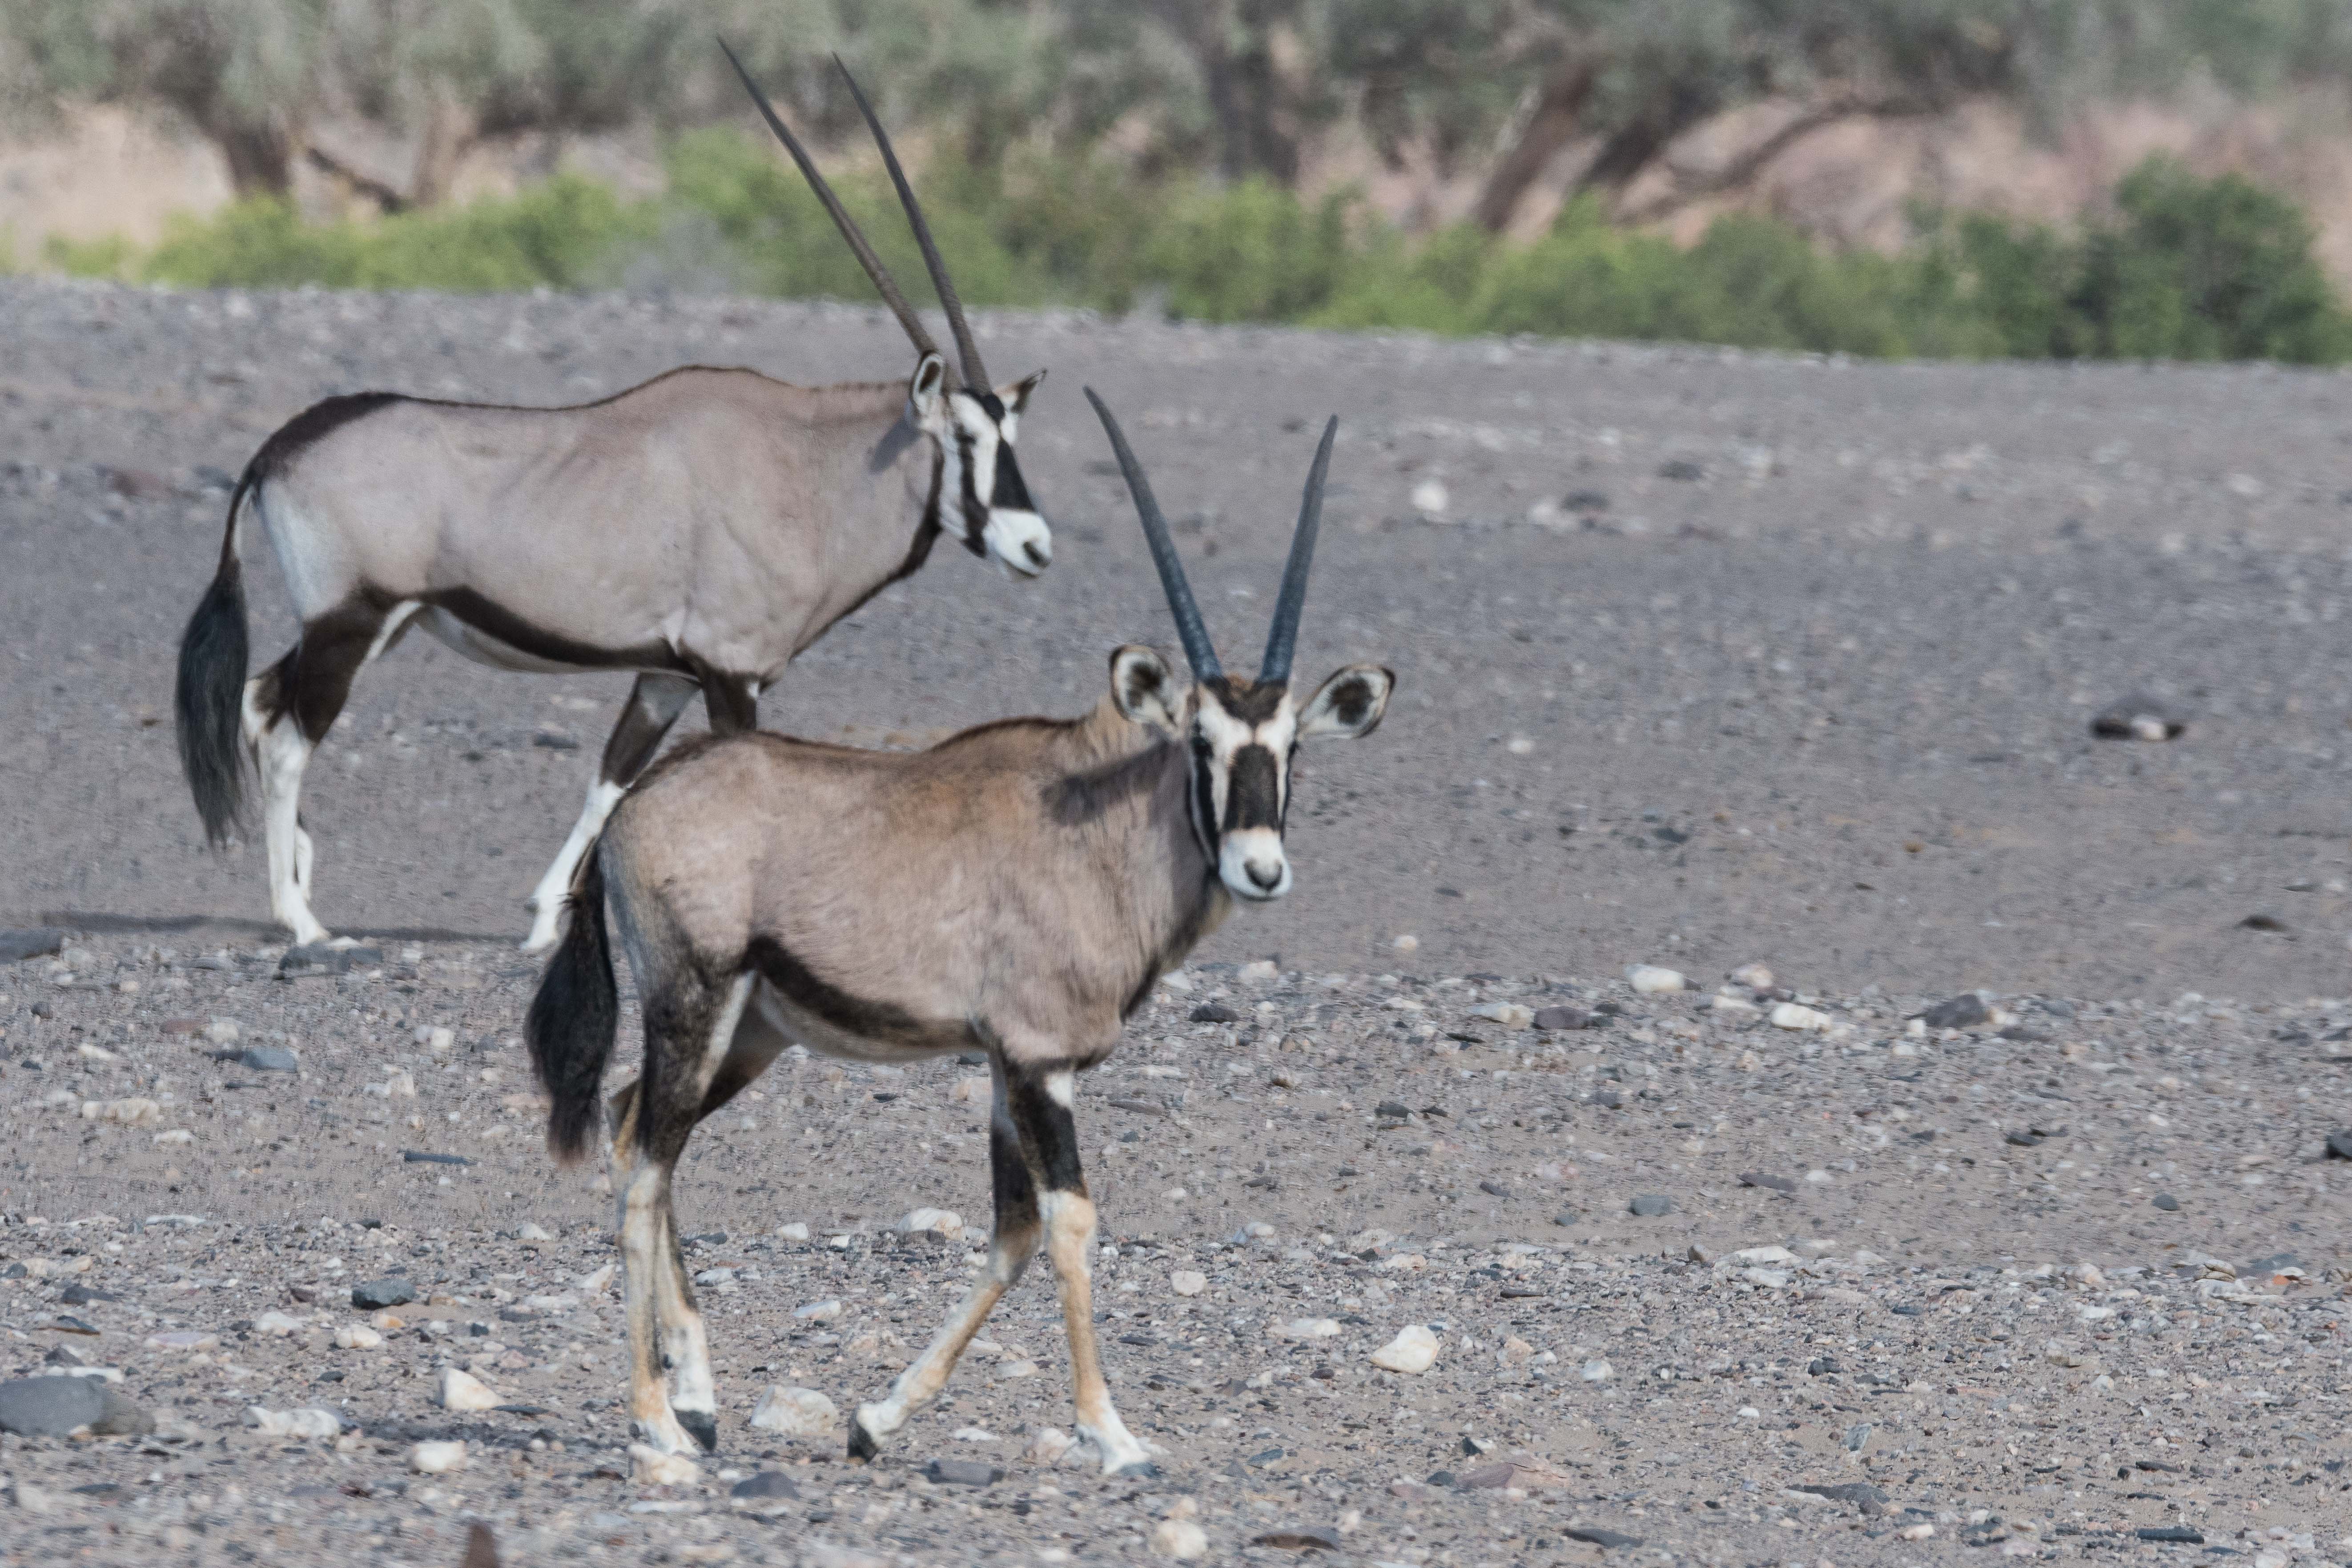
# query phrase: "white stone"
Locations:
[[796, 1413], [1915, 1533], [1767, 1278], [308, 1422], [596, 1281], [945, 1222], [1725, 1001], [1402, 1262], [437, 1458], [1429, 497], [1258, 972], [176, 1135], [1185, 1282], [24, 1494], [1596, 1371], [278, 1323], [461, 1390], [222, 1031], [971, 1092], [1789, 1016], [357, 1337], [1754, 1256], [1181, 1538], [818, 1312], [1510, 1014], [1007, 1370], [1755, 976], [653, 1469], [1653, 977], [1414, 1350], [796, 1231], [528, 1231], [1048, 1446], [1407, 943], [1312, 1329]]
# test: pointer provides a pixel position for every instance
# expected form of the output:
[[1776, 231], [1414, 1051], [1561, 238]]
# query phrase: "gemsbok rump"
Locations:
[[700, 530], [1018, 889]]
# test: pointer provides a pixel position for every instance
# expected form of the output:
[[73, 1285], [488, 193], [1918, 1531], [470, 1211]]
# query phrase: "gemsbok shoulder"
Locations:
[[1016, 889], [699, 531]]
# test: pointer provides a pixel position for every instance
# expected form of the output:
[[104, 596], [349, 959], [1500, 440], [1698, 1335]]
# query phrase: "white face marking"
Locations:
[[1251, 861], [1016, 538]]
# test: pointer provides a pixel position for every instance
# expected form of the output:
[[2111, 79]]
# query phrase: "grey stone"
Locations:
[[373, 1295], [2115, 721], [1495, 1189], [553, 740], [37, 942], [1784, 1186], [1593, 1535], [1299, 1538], [1822, 1366], [2178, 1533], [2339, 1145], [1393, 1110], [1214, 1013], [1563, 1018], [306, 962], [1681, 468], [420, 1157], [1962, 1012], [268, 1059], [118, 1417], [1650, 1205], [1584, 500], [2167, 1202], [2266, 923], [964, 1473], [50, 1407], [1845, 1492], [766, 1484]]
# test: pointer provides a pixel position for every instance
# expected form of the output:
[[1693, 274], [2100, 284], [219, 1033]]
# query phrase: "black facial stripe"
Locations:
[[1204, 804], [1252, 796], [971, 508], [1009, 491]]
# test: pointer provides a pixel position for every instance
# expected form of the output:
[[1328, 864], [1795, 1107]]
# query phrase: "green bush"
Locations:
[[2186, 269]]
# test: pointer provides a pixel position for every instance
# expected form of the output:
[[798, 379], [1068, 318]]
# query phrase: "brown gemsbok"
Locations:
[[1018, 889], [700, 530]]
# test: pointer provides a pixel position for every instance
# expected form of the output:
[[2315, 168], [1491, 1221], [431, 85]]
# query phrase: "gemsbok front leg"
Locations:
[[1040, 1103], [1010, 1249], [655, 702]]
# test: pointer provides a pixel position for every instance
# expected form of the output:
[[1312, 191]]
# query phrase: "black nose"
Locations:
[[1267, 879]]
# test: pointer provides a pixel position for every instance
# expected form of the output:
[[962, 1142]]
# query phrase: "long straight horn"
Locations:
[[975, 374], [1198, 649], [841, 219], [1284, 637]]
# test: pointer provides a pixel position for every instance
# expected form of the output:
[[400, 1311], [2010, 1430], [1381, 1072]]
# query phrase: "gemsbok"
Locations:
[[1018, 888], [700, 530]]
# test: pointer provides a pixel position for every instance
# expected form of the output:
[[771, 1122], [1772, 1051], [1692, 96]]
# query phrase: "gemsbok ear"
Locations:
[[927, 390], [1145, 688], [1015, 395], [1350, 704]]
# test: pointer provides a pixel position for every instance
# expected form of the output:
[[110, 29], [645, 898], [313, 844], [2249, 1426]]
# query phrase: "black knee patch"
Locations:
[[1049, 1132]]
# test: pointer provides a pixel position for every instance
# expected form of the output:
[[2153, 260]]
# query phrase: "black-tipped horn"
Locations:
[[1198, 649], [1284, 637], [975, 374], [841, 219]]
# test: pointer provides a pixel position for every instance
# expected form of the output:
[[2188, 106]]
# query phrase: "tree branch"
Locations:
[[368, 185], [1739, 173]]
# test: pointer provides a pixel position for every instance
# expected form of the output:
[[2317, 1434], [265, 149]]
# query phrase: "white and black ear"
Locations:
[[1350, 704], [927, 391], [1145, 689], [1015, 395]]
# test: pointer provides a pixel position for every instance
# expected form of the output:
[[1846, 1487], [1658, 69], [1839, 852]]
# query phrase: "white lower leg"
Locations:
[[1008, 1257], [684, 1343], [1069, 1238], [282, 753], [643, 1264], [547, 899]]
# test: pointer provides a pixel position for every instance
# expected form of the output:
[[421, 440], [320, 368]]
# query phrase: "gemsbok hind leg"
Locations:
[[1009, 1252], [689, 1030], [653, 705], [288, 710], [1049, 1137]]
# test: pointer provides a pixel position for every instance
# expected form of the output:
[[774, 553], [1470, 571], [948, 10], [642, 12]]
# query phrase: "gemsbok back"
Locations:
[[1017, 888], [700, 530]]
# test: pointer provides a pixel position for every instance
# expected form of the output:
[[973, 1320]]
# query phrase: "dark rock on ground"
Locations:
[[964, 1473], [268, 1059], [1299, 1538], [1593, 1535], [1650, 1205], [38, 942], [1962, 1012], [766, 1484], [1215, 1012], [2167, 1202], [1784, 1186], [373, 1295], [1563, 1018], [2122, 719], [50, 1407]]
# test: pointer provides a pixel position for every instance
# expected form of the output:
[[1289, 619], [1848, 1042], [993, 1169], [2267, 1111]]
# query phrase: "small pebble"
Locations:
[[1186, 1283], [438, 1458], [1650, 977], [1650, 1205], [1414, 1350], [796, 1413], [462, 1391]]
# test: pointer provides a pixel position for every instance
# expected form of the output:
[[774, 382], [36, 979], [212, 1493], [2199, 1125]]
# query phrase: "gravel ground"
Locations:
[[1706, 659], [2065, 1275]]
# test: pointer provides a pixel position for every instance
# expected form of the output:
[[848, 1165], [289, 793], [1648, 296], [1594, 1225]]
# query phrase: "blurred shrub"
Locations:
[[2186, 269]]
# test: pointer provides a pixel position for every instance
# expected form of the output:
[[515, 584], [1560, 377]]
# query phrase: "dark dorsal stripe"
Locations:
[[309, 428]]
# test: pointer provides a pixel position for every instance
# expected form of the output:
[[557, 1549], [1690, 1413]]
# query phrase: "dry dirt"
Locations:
[[1825, 704]]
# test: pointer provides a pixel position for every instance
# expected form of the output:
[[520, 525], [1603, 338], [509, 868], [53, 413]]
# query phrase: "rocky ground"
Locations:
[[2041, 1282]]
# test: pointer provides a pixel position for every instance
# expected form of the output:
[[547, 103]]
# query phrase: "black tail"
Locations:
[[574, 1017], [211, 692]]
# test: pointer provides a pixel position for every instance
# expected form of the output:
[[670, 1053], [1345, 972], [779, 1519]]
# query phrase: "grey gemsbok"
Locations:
[[700, 530], [1017, 888]]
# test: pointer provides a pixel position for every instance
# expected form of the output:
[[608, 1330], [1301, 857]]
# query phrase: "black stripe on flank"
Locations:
[[885, 1023], [495, 620], [1253, 790]]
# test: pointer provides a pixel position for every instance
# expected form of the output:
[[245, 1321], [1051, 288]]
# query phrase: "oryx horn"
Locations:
[[842, 220], [1284, 637], [1187, 613], [975, 374]]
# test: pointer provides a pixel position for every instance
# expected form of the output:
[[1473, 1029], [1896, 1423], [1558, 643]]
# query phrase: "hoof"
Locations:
[[862, 1445], [703, 1425], [1140, 1470]]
